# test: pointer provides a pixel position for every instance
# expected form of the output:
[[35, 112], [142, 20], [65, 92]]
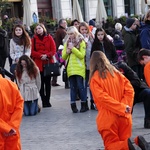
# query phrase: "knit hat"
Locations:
[[129, 22]]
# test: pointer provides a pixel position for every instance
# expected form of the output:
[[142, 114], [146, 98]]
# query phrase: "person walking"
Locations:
[[114, 102], [43, 50], [74, 52], [11, 110], [29, 83]]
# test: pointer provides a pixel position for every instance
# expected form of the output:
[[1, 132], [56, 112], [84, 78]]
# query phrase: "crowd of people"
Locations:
[[93, 60]]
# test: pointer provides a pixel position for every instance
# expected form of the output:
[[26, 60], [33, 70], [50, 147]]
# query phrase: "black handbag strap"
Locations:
[[67, 62]]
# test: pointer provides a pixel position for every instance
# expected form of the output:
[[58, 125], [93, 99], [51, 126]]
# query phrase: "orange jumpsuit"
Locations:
[[111, 96], [146, 73], [11, 110]]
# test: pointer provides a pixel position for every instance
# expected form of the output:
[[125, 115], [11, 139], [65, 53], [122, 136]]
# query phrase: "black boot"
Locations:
[[87, 107], [93, 107], [83, 107], [133, 146], [143, 144], [74, 108], [147, 123]]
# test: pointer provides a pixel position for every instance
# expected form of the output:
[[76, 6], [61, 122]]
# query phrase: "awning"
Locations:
[[100, 12], [27, 16], [76, 13]]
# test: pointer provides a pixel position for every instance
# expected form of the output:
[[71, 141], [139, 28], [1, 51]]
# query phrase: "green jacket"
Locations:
[[76, 60]]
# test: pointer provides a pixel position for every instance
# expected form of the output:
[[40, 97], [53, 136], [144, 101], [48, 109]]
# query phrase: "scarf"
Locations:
[[18, 40], [76, 41]]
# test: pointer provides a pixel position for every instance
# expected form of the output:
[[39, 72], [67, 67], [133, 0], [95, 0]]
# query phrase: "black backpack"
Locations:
[[4, 41]]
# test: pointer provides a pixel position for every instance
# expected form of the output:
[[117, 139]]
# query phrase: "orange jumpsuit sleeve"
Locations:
[[112, 93], [146, 73], [11, 103]]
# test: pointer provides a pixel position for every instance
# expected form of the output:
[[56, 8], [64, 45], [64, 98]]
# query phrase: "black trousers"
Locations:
[[45, 91]]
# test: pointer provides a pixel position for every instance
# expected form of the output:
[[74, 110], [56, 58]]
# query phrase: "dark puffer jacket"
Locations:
[[130, 38]]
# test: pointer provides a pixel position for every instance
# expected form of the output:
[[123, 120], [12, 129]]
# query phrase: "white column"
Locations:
[[34, 8]]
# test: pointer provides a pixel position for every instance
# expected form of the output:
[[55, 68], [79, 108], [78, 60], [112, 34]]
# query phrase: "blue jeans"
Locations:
[[77, 82], [30, 107], [86, 84]]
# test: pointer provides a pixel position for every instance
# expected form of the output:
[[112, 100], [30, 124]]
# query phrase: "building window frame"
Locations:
[[109, 7]]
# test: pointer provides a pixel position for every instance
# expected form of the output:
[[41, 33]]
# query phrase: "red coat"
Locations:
[[39, 47]]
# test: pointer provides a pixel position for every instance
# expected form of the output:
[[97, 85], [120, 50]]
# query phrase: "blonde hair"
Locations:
[[118, 26], [74, 30]]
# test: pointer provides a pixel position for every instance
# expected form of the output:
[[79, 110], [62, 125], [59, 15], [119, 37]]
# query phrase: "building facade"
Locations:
[[63, 8]]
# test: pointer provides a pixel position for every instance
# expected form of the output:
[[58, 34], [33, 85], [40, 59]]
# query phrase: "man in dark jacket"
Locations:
[[59, 36], [130, 42], [4, 51], [142, 91]]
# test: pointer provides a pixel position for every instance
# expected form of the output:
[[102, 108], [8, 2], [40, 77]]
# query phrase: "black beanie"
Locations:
[[129, 22]]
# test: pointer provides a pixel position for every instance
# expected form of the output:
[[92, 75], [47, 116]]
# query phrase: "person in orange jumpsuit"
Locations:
[[113, 95], [144, 59], [11, 110]]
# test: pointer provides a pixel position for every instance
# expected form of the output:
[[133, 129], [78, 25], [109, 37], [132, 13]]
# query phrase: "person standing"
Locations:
[[114, 102], [20, 44], [59, 36], [11, 110], [130, 43], [43, 50], [145, 32], [29, 83], [88, 38], [4, 50], [102, 43], [74, 52]]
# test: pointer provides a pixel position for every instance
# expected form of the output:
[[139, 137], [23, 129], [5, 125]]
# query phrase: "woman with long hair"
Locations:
[[20, 44], [29, 83], [74, 53], [43, 50], [88, 38], [113, 95], [103, 43]]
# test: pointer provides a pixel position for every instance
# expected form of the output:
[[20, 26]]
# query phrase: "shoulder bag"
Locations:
[[52, 69]]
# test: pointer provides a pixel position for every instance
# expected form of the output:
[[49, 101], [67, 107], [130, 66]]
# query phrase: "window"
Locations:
[[129, 7], [108, 7]]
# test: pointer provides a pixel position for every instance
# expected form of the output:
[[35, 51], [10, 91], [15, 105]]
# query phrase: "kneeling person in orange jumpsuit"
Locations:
[[113, 95], [11, 110]]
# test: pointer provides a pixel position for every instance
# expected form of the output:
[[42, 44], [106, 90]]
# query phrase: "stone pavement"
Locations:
[[57, 128]]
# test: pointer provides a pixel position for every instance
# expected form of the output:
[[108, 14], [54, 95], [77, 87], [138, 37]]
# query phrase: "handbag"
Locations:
[[51, 69], [64, 75]]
